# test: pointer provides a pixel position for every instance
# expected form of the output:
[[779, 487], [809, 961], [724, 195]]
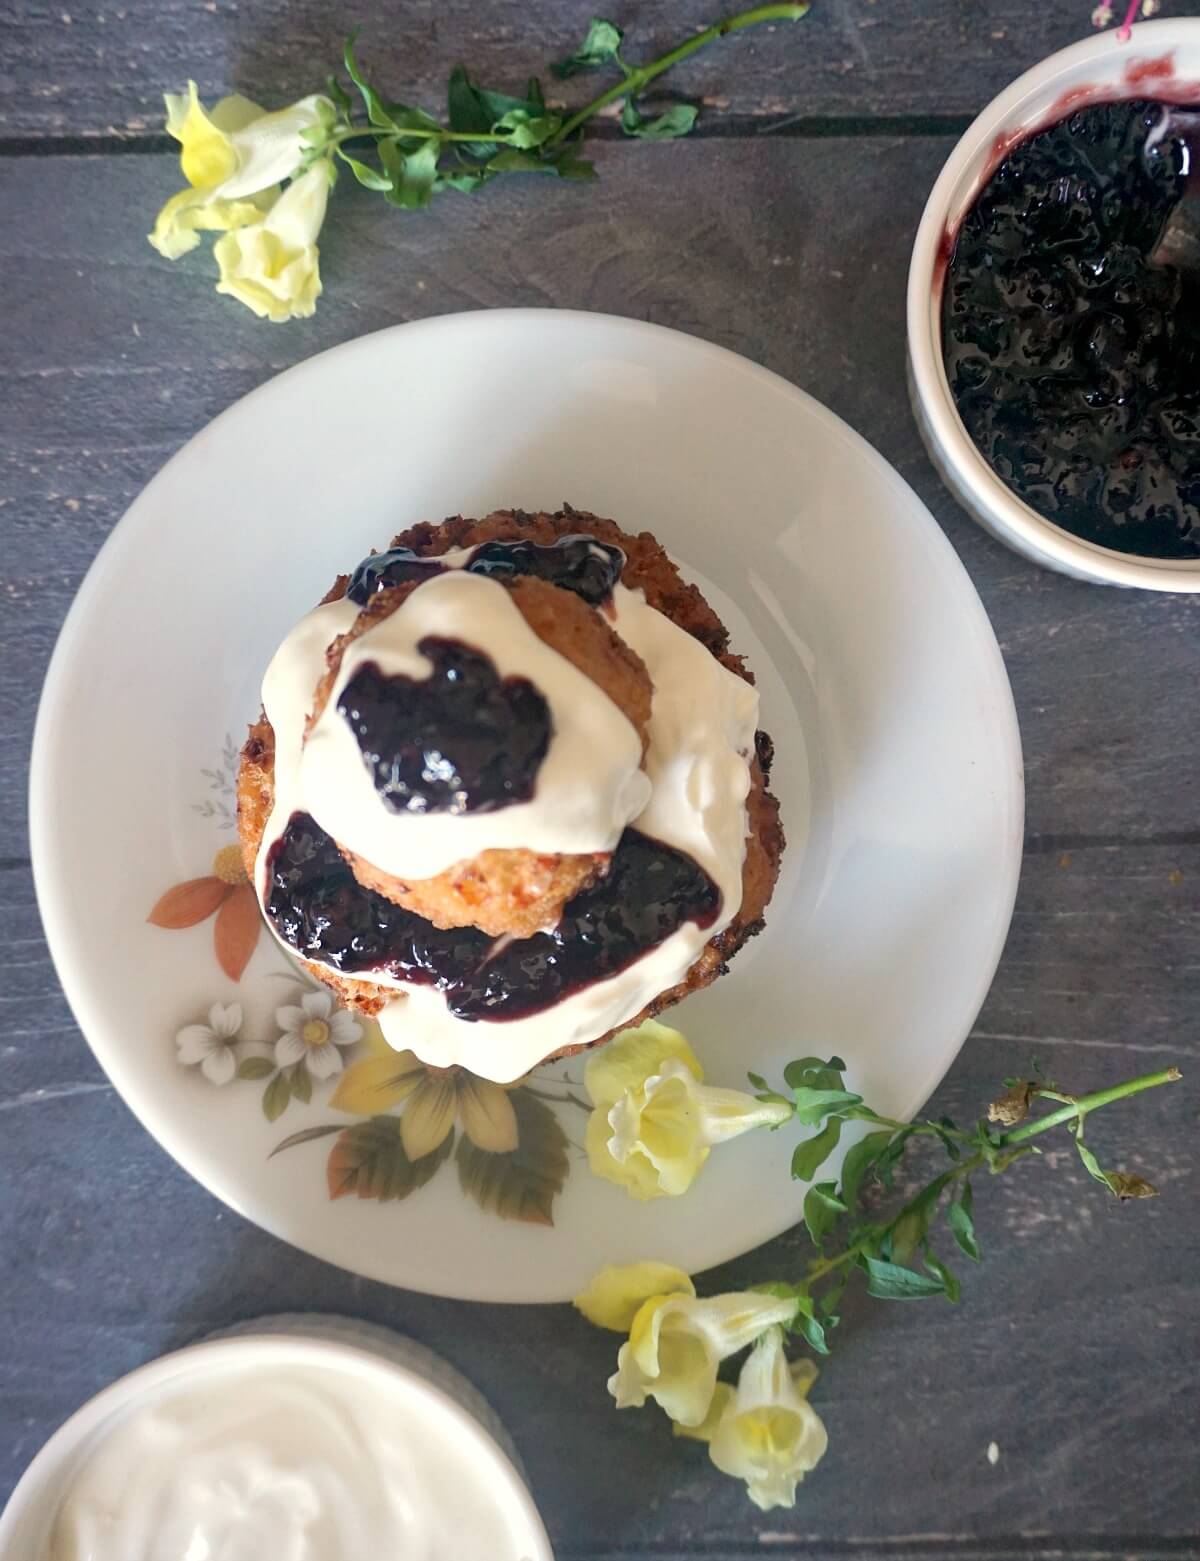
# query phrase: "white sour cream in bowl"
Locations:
[[318, 1446]]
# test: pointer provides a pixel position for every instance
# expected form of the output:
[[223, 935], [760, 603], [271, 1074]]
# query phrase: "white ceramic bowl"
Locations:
[[1161, 59], [429, 1393]]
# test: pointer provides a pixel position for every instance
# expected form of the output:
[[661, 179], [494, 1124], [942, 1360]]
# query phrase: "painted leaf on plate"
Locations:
[[523, 1183], [369, 1159]]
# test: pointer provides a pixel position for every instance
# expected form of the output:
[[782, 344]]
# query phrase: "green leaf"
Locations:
[[962, 1226], [891, 1282], [512, 161], [814, 1105], [339, 95], [276, 1096], [306, 1136], [859, 1160], [367, 176], [413, 175], [812, 1154], [301, 1083], [526, 130], [369, 1159], [1092, 1165], [376, 112], [907, 1234], [950, 1285], [463, 180], [570, 166], [888, 1160], [598, 48], [523, 1183], [677, 121], [822, 1210], [758, 1082], [474, 110], [255, 1068], [806, 1324], [814, 1073]]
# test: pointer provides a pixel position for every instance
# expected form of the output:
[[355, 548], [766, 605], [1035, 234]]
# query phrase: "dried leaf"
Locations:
[[189, 903], [369, 1159], [1013, 1105], [235, 936], [1127, 1186], [522, 1184]]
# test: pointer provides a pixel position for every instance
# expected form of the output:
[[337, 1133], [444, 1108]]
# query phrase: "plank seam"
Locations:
[[810, 127]]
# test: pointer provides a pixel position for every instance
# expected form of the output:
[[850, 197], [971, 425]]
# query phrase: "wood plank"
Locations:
[[1067, 1350], [87, 67]]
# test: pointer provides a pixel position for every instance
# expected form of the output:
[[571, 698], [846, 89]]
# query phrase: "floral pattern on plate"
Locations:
[[508, 1145]]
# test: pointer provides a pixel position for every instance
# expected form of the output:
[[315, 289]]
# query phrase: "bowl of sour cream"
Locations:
[[293, 1439]]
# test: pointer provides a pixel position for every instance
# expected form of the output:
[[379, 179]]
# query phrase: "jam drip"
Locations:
[[462, 740], [580, 564], [1075, 364], [320, 909]]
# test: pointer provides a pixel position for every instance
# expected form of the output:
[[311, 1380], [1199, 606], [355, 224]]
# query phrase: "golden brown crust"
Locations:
[[508, 892], [649, 568]]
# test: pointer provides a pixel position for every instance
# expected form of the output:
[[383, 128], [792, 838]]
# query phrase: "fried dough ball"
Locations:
[[648, 568], [509, 892]]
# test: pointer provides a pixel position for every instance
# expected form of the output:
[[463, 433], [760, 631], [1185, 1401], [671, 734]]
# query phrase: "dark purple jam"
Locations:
[[1075, 364], [581, 564], [462, 740], [319, 908]]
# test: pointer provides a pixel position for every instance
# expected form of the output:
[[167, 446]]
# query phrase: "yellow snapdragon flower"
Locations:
[[765, 1431], [272, 266], [676, 1340], [655, 1120], [234, 159]]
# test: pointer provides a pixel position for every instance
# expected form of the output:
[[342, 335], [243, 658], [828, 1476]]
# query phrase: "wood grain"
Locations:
[[1075, 1347], [99, 67]]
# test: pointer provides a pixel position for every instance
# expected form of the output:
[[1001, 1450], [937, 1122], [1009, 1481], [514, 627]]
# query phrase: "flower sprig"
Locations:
[[764, 1430], [236, 158]]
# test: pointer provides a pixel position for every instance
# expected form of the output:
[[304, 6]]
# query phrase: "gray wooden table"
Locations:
[[782, 231]]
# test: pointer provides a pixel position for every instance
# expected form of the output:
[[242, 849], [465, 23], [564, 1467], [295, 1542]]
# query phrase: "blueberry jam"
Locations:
[[1074, 363], [580, 564], [319, 909], [462, 740]]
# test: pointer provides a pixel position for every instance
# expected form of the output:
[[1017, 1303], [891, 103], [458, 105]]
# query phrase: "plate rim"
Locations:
[[42, 851]]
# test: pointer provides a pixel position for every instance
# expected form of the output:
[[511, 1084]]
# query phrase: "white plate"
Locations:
[[899, 766]]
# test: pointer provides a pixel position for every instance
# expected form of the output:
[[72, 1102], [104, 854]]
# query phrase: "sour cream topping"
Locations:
[[589, 785]]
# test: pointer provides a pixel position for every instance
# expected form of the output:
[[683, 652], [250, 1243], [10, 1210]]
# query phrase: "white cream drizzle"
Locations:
[[701, 743], [591, 737]]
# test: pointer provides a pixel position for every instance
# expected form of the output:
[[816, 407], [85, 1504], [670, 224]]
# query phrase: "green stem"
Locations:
[[1086, 1103], [355, 131], [639, 76]]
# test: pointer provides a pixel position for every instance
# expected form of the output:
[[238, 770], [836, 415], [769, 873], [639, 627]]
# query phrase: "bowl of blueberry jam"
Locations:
[[1053, 330]]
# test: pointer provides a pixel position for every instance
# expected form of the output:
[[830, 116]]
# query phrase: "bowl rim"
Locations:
[[1020, 106], [44, 1480]]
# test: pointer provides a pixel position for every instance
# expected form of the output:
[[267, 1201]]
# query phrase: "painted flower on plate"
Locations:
[[314, 1032], [434, 1099], [226, 892], [212, 1047]]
